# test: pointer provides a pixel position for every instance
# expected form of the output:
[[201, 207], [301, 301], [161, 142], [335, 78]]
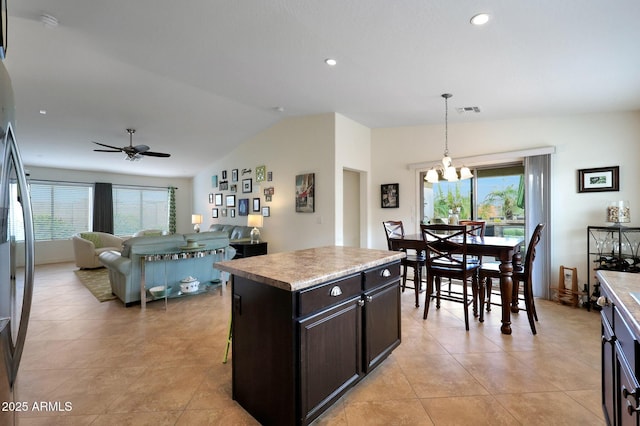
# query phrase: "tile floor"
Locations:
[[121, 366]]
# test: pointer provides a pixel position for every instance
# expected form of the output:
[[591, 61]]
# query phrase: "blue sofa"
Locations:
[[125, 267], [236, 233]]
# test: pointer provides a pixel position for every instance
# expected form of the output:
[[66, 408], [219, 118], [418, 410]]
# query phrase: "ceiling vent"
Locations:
[[464, 110]]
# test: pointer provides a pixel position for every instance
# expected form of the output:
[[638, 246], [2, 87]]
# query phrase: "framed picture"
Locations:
[[232, 212], [266, 211], [256, 204], [260, 173], [224, 185], [210, 198], [214, 181], [233, 187], [305, 193], [599, 179], [247, 186], [224, 175], [390, 195], [230, 201], [224, 212], [214, 212], [243, 207], [269, 191], [234, 175], [269, 176], [218, 200]]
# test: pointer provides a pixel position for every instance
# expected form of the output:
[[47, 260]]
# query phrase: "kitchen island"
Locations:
[[620, 303], [307, 325]]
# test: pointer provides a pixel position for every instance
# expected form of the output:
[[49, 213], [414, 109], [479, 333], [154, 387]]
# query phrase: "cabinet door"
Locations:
[[330, 356], [382, 323], [608, 373], [628, 391]]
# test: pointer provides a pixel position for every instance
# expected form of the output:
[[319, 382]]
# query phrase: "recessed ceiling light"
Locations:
[[480, 19], [331, 62], [43, 111]]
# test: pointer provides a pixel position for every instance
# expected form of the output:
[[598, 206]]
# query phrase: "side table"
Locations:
[[248, 249]]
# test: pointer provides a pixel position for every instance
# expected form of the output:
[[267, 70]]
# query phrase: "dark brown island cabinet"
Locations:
[[620, 303], [302, 338]]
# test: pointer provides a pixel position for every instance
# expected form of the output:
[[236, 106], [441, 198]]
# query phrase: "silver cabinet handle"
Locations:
[[335, 291], [360, 302], [385, 273], [602, 301], [369, 299]]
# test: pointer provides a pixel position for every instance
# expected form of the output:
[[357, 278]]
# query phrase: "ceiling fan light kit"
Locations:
[[134, 153]]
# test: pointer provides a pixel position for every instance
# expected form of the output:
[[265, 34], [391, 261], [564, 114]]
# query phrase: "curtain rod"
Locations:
[[488, 158], [91, 183]]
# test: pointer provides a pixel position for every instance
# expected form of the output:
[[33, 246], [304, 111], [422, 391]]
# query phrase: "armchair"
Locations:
[[87, 246]]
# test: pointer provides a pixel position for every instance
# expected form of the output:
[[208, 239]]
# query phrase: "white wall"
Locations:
[[291, 147], [353, 153], [62, 250], [581, 141]]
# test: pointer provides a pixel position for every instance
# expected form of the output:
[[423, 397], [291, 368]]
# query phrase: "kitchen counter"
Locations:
[[619, 286], [300, 269]]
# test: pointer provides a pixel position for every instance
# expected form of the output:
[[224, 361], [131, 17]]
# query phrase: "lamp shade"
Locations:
[[196, 219], [254, 220]]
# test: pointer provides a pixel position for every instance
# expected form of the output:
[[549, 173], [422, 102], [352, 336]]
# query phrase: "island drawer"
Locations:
[[381, 275], [317, 298]]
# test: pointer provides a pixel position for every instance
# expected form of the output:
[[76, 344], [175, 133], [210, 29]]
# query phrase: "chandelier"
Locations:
[[447, 169]]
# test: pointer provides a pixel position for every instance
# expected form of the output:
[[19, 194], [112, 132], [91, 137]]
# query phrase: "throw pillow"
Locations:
[[94, 238]]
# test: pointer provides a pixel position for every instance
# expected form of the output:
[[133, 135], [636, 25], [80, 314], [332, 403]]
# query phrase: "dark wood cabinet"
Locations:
[[248, 249], [620, 366], [296, 352]]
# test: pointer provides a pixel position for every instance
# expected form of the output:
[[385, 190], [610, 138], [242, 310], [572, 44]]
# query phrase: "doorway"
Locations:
[[350, 208]]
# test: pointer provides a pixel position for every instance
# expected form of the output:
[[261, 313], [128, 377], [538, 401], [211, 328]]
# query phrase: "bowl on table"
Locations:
[[159, 291]]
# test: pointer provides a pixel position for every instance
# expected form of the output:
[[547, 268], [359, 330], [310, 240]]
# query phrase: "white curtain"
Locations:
[[537, 172]]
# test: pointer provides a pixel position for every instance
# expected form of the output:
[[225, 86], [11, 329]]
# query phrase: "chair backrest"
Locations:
[[393, 229], [531, 250], [446, 245], [474, 227]]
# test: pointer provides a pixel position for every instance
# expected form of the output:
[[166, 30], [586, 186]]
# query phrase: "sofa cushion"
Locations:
[[94, 238], [159, 244], [240, 232]]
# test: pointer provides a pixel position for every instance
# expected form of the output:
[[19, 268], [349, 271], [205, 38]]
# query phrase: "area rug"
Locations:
[[97, 281]]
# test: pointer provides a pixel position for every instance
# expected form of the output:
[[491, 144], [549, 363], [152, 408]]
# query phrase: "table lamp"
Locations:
[[255, 220], [196, 220]]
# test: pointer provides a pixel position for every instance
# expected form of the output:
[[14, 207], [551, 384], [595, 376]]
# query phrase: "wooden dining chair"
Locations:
[[415, 260], [490, 271], [474, 228], [446, 257]]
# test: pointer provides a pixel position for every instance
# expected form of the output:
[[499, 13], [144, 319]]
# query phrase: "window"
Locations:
[[495, 195], [136, 208], [60, 209]]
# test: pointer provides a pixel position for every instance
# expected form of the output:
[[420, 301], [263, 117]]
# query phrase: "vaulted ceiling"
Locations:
[[196, 78]]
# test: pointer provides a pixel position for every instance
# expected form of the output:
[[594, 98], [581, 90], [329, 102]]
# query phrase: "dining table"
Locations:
[[504, 249]]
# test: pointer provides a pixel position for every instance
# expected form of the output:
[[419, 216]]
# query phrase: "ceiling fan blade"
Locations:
[[108, 150], [155, 154], [108, 146]]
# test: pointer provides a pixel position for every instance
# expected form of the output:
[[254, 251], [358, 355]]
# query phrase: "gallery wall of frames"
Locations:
[[233, 192]]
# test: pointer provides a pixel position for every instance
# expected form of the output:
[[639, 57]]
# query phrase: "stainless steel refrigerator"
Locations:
[[16, 254]]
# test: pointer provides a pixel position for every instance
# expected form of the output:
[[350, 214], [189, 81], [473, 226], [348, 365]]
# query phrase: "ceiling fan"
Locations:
[[134, 153]]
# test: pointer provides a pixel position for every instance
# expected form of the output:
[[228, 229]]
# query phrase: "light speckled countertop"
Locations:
[[618, 286], [297, 270]]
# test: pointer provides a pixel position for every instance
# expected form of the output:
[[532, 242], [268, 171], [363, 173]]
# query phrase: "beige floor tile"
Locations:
[[546, 408], [468, 410], [383, 413], [124, 366]]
